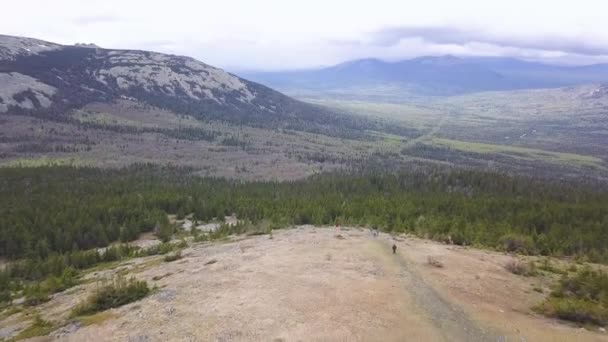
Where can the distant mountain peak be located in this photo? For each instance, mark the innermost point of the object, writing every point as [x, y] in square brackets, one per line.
[52, 80]
[88, 45]
[363, 62]
[437, 75]
[439, 60]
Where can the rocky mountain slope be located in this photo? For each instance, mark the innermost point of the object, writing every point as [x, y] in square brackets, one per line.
[49, 80]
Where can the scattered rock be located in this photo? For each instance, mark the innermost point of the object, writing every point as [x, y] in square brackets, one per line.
[211, 262]
[19, 301]
[433, 261]
[68, 329]
[166, 295]
[602, 329]
[7, 332]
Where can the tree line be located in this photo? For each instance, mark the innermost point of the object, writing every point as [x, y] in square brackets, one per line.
[50, 211]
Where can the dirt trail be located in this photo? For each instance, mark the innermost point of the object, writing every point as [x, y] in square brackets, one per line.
[305, 284]
[428, 135]
[450, 320]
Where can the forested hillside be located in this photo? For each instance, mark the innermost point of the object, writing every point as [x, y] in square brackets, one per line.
[62, 209]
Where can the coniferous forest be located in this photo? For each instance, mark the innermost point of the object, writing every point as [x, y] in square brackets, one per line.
[50, 211]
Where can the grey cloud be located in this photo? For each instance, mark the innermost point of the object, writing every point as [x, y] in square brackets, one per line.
[459, 36]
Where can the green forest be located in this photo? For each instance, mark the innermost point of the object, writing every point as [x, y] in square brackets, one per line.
[56, 210]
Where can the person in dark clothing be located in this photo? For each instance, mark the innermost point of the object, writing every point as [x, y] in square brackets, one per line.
[394, 248]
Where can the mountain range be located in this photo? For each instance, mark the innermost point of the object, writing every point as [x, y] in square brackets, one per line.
[86, 105]
[441, 75]
[43, 78]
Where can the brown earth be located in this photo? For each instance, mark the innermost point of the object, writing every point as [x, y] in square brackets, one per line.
[306, 284]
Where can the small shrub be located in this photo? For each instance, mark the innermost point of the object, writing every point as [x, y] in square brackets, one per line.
[172, 257]
[517, 244]
[581, 298]
[35, 295]
[165, 231]
[520, 268]
[39, 327]
[201, 238]
[458, 238]
[161, 248]
[546, 265]
[443, 238]
[538, 289]
[5, 296]
[182, 244]
[117, 293]
[56, 284]
[433, 261]
[575, 310]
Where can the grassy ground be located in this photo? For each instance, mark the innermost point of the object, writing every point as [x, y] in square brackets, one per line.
[521, 152]
[517, 130]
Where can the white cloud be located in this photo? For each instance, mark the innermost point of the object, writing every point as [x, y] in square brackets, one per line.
[279, 34]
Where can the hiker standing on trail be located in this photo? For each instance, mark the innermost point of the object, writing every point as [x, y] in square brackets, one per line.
[394, 248]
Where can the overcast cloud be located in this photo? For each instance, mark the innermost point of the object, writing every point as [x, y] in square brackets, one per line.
[273, 34]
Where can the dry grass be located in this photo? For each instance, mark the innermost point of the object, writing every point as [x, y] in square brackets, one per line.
[521, 268]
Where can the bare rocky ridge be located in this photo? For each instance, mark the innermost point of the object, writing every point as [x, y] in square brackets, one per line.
[13, 47]
[50, 80]
[171, 75]
[113, 70]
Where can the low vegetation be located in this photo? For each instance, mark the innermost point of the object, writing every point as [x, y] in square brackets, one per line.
[173, 257]
[117, 293]
[521, 268]
[39, 327]
[37, 279]
[581, 298]
[54, 219]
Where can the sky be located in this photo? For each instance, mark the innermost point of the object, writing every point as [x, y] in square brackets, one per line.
[281, 35]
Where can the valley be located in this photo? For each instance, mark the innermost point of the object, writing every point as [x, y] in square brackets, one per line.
[150, 196]
[563, 127]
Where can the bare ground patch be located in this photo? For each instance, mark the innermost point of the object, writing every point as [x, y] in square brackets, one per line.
[304, 284]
